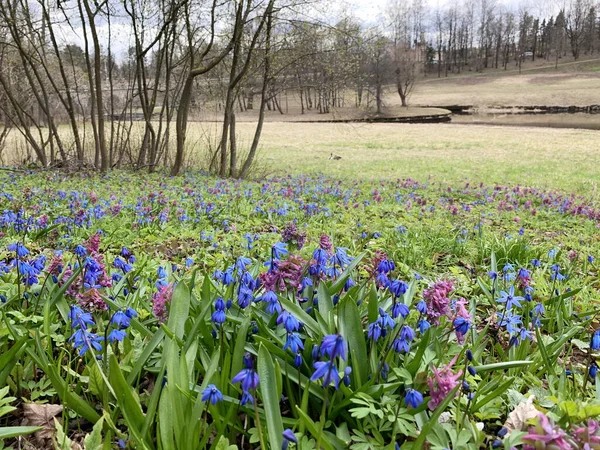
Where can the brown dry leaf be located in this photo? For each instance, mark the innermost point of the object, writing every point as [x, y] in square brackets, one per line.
[518, 418]
[38, 415]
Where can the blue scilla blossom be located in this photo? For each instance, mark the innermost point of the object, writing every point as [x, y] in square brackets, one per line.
[349, 284]
[80, 251]
[212, 394]
[375, 331]
[385, 320]
[288, 320]
[595, 342]
[422, 307]
[218, 275]
[552, 253]
[398, 287]
[116, 277]
[218, 316]
[413, 398]
[248, 379]
[328, 372]
[334, 345]
[386, 266]
[84, 340]
[407, 333]
[122, 265]
[508, 268]
[273, 305]
[79, 318]
[293, 342]
[242, 262]
[539, 309]
[246, 398]
[556, 275]
[423, 325]
[593, 370]
[116, 335]
[510, 321]
[189, 262]
[400, 309]
[590, 259]
[383, 280]
[401, 346]
[227, 278]
[508, 276]
[289, 436]
[39, 263]
[161, 272]
[509, 298]
[346, 377]
[19, 249]
[340, 257]
[120, 320]
[493, 275]
[279, 249]
[131, 313]
[320, 256]
[245, 297]
[528, 293]
[535, 263]
[29, 273]
[461, 325]
[248, 281]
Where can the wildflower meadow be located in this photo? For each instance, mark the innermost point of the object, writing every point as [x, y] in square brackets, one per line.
[144, 312]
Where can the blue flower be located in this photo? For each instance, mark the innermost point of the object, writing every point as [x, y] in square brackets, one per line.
[279, 250]
[79, 318]
[245, 297]
[535, 263]
[398, 287]
[510, 321]
[461, 325]
[116, 335]
[422, 307]
[120, 319]
[509, 298]
[423, 325]
[595, 343]
[273, 305]
[19, 249]
[246, 398]
[247, 378]
[83, 340]
[131, 313]
[386, 266]
[385, 320]
[374, 331]
[293, 342]
[212, 394]
[334, 345]
[400, 309]
[328, 372]
[340, 257]
[401, 346]
[288, 436]
[289, 321]
[413, 398]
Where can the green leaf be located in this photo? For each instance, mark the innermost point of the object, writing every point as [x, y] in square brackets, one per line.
[549, 367]
[502, 365]
[325, 301]
[62, 440]
[268, 390]
[10, 358]
[132, 410]
[93, 441]
[351, 328]
[11, 432]
[313, 429]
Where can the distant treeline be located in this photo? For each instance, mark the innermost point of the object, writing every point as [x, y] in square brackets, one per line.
[79, 104]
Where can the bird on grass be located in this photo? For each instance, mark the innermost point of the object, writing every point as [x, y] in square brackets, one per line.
[335, 157]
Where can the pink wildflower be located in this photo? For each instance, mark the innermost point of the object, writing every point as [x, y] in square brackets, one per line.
[325, 244]
[545, 435]
[438, 302]
[441, 383]
[90, 300]
[159, 302]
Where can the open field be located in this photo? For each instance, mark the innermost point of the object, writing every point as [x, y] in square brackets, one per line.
[562, 158]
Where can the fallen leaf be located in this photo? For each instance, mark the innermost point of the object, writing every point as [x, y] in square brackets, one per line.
[519, 416]
[38, 415]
